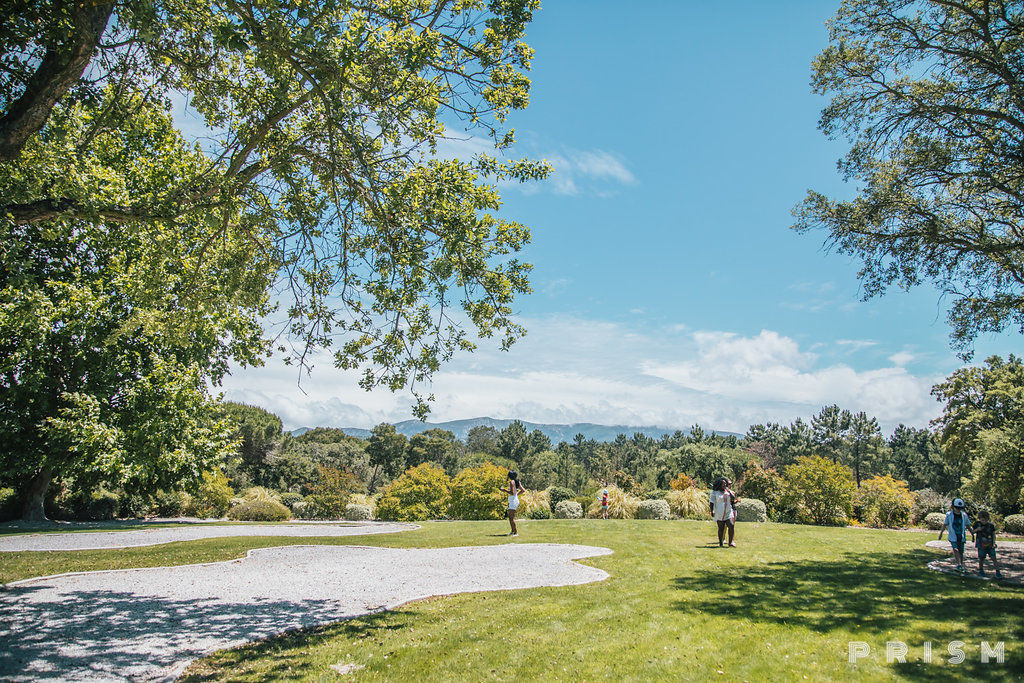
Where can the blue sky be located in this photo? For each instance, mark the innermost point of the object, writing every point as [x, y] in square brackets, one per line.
[669, 289]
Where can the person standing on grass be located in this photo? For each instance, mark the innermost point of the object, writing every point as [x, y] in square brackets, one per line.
[985, 539]
[513, 491]
[604, 503]
[958, 525]
[722, 500]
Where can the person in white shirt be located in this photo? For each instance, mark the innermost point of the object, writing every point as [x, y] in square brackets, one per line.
[722, 500]
[958, 524]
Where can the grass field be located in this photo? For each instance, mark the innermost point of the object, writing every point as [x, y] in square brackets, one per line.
[783, 605]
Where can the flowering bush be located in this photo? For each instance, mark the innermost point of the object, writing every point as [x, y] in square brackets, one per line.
[354, 512]
[568, 509]
[260, 511]
[621, 505]
[653, 509]
[423, 492]
[884, 502]
[475, 493]
[691, 503]
[682, 482]
[934, 520]
[751, 510]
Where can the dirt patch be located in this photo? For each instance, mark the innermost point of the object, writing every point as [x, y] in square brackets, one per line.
[1010, 555]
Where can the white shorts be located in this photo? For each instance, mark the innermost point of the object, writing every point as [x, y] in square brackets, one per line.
[513, 502]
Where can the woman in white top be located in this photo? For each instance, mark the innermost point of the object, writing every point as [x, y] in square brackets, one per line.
[513, 491]
[722, 500]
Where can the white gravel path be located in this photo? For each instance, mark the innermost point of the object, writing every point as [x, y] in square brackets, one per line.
[100, 540]
[148, 624]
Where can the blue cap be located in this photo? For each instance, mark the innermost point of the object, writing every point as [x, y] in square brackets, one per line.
[958, 503]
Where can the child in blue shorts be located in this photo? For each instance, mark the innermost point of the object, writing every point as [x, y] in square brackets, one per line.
[958, 525]
[985, 539]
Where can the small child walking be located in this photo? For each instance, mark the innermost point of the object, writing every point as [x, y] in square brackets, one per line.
[985, 539]
[958, 524]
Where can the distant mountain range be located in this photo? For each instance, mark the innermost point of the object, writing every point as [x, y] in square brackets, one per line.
[557, 433]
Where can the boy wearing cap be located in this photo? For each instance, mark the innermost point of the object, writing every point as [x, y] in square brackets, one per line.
[958, 525]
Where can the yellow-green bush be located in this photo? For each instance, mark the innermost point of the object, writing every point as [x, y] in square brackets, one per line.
[689, 503]
[423, 492]
[621, 505]
[884, 502]
[476, 493]
[818, 491]
[213, 497]
[363, 499]
[257, 510]
[531, 501]
[260, 493]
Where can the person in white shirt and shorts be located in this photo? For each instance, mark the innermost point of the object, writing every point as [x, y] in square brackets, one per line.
[722, 500]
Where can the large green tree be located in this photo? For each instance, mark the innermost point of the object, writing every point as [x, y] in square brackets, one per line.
[981, 429]
[315, 180]
[931, 95]
[109, 331]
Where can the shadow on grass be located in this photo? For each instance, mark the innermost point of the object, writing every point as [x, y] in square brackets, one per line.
[879, 595]
[279, 649]
[90, 634]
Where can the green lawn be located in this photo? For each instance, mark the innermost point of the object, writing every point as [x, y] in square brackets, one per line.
[783, 605]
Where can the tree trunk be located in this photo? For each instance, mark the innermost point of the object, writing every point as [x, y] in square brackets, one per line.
[35, 496]
[60, 68]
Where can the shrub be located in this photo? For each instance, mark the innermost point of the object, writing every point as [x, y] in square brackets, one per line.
[691, 503]
[476, 494]
[819, 491]
[8, 504]
[260, 493]
[584, 501]
[682, 482]
[170, 503]
[302, 509]
[213, 497]
[539, 513]
[1014, 524]
[884, 502]
[532, 500]
[354, 512]
[290, 498]
[653, 509]
[363, 499]
[656, 494]
[135, 505]
[751, 510]
[764, 484]
[627, 483]
[556, 494]
[928, 500]
[568, 509]
[934, 520]
[103, 504]
[330, 493]
[423, 492]
[621, 505]
[260, 511]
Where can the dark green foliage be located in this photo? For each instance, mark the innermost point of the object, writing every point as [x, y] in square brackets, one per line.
[103, 504]
[927, 501]
[764, 484]
[1014, 524]
[329, 494]
[260, 511]
[8, 504]
[213, 497]
[539, 513]
[170, 503]
[656, 494]
[290, 498]
[135, 505]
[433, 445]
[557, 494]
[916, 458]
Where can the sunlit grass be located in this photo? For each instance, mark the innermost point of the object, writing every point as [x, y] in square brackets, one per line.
[783, 605]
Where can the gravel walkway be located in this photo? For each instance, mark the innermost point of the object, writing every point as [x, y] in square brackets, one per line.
[1010, 555]
[100, 540]
[148, 624]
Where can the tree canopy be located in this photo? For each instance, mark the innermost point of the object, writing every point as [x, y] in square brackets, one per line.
[931, 96]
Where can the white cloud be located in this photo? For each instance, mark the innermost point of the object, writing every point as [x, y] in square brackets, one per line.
[576, 171]
[856, 344]
[901, 358]
[575, 370]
